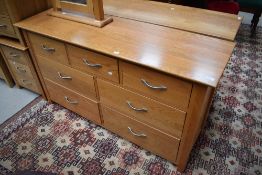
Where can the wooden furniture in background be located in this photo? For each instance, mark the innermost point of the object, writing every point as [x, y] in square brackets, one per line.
[148, 83]
[89, 12]
[19, 64]
[12, 45]
[12, 11]
[4, 73]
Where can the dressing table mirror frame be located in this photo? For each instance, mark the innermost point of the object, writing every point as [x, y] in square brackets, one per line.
[93, 12]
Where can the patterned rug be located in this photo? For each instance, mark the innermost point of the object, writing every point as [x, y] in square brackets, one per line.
[49, 138]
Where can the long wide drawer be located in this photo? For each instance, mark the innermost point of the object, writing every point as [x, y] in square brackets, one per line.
[21, 71]
[94, 63]
[141, 134]
[73, 101]
[161, 87]
[6, 27]
[48, 48]
[15, 55]
[28, 83]
[158, 115]
[68, 77]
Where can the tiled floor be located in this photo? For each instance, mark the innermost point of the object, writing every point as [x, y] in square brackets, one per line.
[12, 100]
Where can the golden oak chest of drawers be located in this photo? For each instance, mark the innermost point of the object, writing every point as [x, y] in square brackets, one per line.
[128, 80]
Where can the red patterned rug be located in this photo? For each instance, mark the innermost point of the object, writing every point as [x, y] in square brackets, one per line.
[49, 138]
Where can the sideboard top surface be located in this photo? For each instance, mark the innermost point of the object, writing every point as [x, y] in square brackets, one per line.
[207, 22]
[183, 54]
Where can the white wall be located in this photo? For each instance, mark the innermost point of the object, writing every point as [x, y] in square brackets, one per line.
[248, 17]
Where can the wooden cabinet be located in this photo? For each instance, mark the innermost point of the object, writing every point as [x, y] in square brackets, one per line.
[126, 78]
[20, 65]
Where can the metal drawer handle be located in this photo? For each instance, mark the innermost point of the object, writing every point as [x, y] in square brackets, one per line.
[14, 55]
[70, 101]
[21, 69]
[136, 109]
[153, 87]
[92, 65]
[3, 26]
[64, 77]
[48, 49]
[29, 83]
[136, 134]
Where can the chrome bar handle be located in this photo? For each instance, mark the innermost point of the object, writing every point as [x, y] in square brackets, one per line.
[29, 83]
[136, 134]
[48, 49]
[70, 101]
[21, 69]
[146, 83]
[92, 65]
[3, 26]
[64, 77]
[136, 109]
[14, 55]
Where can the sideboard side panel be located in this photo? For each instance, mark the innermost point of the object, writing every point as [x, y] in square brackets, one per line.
[198, 106]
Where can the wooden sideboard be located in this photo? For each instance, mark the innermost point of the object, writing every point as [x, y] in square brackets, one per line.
[150, 84]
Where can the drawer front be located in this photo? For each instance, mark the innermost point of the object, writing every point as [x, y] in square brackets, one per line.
[148, 111]
[73, 101]
[48, 48]
[141, 134]
[3, 8]
[6, 27]
[15, 55]
[94, 63]
[28, 83]
[68, 77]
[21, 71]
[169, 90]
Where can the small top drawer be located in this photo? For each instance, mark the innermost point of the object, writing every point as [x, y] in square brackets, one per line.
[6, 27]
[3, 9]
[48, 48]
[15, 55]
[94, 63]
[161, 87]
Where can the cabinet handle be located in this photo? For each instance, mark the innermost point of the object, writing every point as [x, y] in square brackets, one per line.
[136, 134]
[21, 69]
[48, 49]
[64, 77]
[153, 87]
[70, 101]
[92, 65]
[136, 109]
[3, 26]
[14, 55]
[29, 83]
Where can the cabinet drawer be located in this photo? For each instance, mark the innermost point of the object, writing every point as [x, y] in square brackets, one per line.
[6, 27]
[48, 48]
[141, 134]
[15, 55]
[161, 87]
[73, 101]
[3, 8]
[160, 116]
[20, 70]
[28, 83]
[94, 63]
[68, 77]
